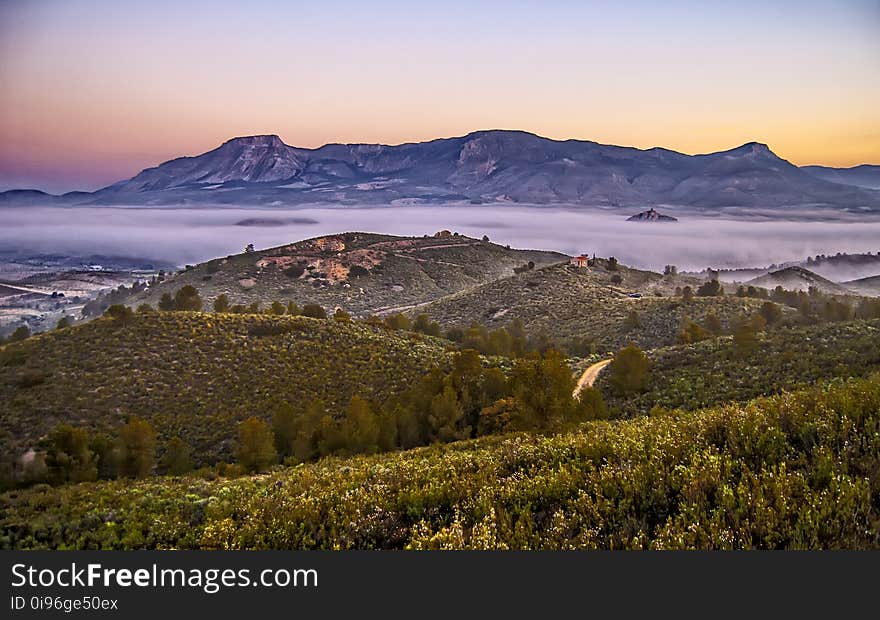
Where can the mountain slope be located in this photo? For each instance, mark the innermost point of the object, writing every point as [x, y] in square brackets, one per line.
[484, 166]
[866, 175]
[360, 272]
[196, 375]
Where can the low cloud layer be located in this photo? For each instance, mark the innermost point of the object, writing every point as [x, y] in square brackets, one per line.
[193, 235]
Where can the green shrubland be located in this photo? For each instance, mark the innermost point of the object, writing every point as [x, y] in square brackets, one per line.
[798, 470]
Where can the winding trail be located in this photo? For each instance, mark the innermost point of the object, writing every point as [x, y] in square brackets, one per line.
[589, 377]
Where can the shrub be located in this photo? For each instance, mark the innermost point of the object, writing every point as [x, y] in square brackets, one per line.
[314, 311]
[294, 271]
[221, 303]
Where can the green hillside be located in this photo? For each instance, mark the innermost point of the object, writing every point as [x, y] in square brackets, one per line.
[571, 303]
[195, 375]
[794, 471]
[360, 272]
[715, 371]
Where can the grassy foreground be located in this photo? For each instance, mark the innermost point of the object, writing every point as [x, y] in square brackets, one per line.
[799, 470]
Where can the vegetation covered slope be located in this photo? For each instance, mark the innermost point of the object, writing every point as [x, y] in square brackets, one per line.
[798, 470]
[359, 272]
[566, 303]
[718, 370]
[196, 375]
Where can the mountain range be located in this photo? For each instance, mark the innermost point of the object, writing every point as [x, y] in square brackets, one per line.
[496, 166]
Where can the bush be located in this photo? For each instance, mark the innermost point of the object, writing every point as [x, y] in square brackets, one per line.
[712, 288]
[314, 311]
[294, 271]
[356, 271]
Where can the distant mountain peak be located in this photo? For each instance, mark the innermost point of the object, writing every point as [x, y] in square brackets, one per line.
[267, 140]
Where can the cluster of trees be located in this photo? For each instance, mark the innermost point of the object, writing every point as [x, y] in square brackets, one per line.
[746, 328]
[71, 454]
[468, 400]
[465, 400]
[186, 299]
[21, 332]
[815, 306]
[99, 305]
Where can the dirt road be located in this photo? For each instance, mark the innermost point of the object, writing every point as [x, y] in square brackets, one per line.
[589, 377]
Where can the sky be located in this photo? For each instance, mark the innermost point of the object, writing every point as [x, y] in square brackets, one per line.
[93, 91]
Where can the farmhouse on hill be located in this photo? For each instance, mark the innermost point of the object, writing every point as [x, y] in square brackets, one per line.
[580, 261]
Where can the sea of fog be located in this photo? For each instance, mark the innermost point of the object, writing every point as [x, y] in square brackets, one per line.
[190, 235]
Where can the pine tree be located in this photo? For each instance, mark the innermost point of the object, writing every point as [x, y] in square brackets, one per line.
[543, 386]
[69, 457]
[305, 446]
[221, 304]
[256, 446]
[359, 428]
[121, 314]
[188, 299]
[166, 302]
[628, 373]
[136, 448]
[284, 429]
[445, 415]
[177, 459]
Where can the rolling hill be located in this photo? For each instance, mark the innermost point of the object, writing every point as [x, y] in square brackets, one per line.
[865, 286]
[359, 272]
[196, 375]
[710, 372]
[797, 279]
[495, 166]
[567, 302]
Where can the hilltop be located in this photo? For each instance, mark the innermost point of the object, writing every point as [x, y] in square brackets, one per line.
[492, 166]
[360, 272]
[196, 375]
[592, 304]
[651, 216]
[797, 279]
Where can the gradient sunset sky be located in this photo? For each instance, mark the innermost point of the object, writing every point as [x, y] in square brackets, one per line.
[93, 91]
